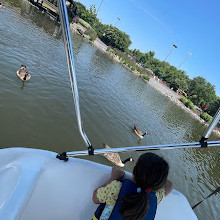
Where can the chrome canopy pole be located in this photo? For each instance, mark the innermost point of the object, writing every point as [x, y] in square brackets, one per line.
[70, 61]
[210, 129]
[213, 124]
[143, 148]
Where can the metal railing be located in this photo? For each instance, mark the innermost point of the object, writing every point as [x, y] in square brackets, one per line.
[144, 148]
[213, 124]
[71, 68]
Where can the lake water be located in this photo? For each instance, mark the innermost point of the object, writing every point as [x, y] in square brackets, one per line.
[40, 114]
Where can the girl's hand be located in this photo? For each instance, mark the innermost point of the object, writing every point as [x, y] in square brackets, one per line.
[117, 173]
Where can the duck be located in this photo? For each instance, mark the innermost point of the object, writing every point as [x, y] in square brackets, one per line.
[23, 74]
[115, 158]
[138, 132]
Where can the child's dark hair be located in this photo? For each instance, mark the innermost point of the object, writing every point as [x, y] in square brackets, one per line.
[150, 171]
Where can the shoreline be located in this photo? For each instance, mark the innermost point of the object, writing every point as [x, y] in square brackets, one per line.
[155, 82]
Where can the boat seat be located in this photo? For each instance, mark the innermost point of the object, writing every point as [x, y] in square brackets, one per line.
[17, 180]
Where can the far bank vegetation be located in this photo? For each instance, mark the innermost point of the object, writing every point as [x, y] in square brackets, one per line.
[198, 91]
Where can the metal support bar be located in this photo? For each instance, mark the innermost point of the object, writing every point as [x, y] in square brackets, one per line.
[70, 61]
[211, 127]
[144, 148]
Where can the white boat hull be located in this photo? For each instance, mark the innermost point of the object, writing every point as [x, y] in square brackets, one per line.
[35, 185]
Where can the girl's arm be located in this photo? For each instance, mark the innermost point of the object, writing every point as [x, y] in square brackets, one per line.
[164, 191]
[168, 187]
[116, 174]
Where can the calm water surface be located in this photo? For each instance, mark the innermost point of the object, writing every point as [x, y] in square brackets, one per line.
[40, 114]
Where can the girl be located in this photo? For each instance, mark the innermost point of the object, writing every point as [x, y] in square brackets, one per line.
[137, 199]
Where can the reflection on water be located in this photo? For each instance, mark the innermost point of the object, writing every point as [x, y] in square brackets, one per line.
[40, 112]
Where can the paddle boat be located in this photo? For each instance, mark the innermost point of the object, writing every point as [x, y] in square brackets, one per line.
[38, 184]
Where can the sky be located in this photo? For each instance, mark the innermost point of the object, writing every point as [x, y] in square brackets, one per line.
[192, 25]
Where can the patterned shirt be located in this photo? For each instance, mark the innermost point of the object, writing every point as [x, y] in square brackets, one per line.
[109, 195]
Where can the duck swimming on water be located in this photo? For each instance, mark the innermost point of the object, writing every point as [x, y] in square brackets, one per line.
[115, 158]
[23, 74]
[138, 132]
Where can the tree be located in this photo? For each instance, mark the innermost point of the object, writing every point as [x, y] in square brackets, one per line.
[150, 54]
[90, 16]
[214, 107]
[137, 54]
[142, 57]
[116, 38]
[80, 8]
[75, 9]
[201, 92]
[153, 64]
[182, 81]
[175, 78]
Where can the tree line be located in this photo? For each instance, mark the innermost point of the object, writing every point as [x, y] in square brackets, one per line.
[199, 90]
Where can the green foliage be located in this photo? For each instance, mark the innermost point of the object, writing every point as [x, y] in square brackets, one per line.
[206, 117]
[201, 92]
[92, 38]
[175, 78]
[109, 49]
[98, 33]
[187, 103]
[190, 105]
[101, 27]
[184, 100]
[75, 9]
[141, 70]
[80, 8]
[129, 62]
[146, 77]
[213, 108]
[116, 38]
[91, 33]
[142, 57]
[110, 35]
[84, 23]
[90, 16]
